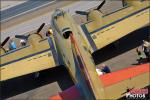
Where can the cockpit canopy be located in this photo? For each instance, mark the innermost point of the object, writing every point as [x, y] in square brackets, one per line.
[58, 13]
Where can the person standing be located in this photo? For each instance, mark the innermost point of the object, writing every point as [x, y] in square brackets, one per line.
[139, 55]
[146, 49]
[99, 72]
[105, 69]
[12, 45]
[23, 42]
[49, 32]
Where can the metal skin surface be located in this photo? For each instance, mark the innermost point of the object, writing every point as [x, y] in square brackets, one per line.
[102, 30]
[74, 58]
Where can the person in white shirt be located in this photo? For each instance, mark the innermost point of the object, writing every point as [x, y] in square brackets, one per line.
[23, 42]
[99, 72]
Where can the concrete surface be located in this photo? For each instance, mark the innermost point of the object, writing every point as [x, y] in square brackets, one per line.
[23, 8]
[6, 4]
[27, 23]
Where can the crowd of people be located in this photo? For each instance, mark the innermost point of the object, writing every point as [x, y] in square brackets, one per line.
[23, 42]
[12, 44]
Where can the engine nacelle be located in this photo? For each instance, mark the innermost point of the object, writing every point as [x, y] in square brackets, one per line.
[61, 24]
[34, 39]
[96, 16]
[2, 51]
[66, 33]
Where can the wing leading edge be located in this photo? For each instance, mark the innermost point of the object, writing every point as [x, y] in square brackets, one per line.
[116, 25]
[116, 83]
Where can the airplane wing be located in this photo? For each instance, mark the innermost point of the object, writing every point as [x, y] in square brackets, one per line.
[116, 25]
[27, 59]
[116, 83]
[71, 93]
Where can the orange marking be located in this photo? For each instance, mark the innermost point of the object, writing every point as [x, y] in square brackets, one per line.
[69, 94]
[56, 97]
[115, 77]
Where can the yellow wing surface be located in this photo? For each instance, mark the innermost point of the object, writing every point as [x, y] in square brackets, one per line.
[117, 83]
[28, 59]
[116, 24]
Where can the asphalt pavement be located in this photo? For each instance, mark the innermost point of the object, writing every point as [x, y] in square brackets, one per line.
[25, 23]
[24, 7]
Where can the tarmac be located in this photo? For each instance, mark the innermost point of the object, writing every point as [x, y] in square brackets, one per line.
[6, 4]
[23, 22]
[23, 7]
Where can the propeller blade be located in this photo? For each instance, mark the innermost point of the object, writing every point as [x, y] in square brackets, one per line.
[82, 12]
[124, 3]
[40, 28]
[5, 41]
[22, 36]
[99, 7]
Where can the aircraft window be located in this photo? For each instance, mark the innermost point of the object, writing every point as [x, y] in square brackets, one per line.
[59, 13]
[94, 37]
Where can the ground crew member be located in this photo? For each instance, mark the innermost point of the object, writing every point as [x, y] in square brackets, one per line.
[105, 69]
[12, 45]
[139, 55]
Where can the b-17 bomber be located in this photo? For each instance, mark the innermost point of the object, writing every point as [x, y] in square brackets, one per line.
[72, 45]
